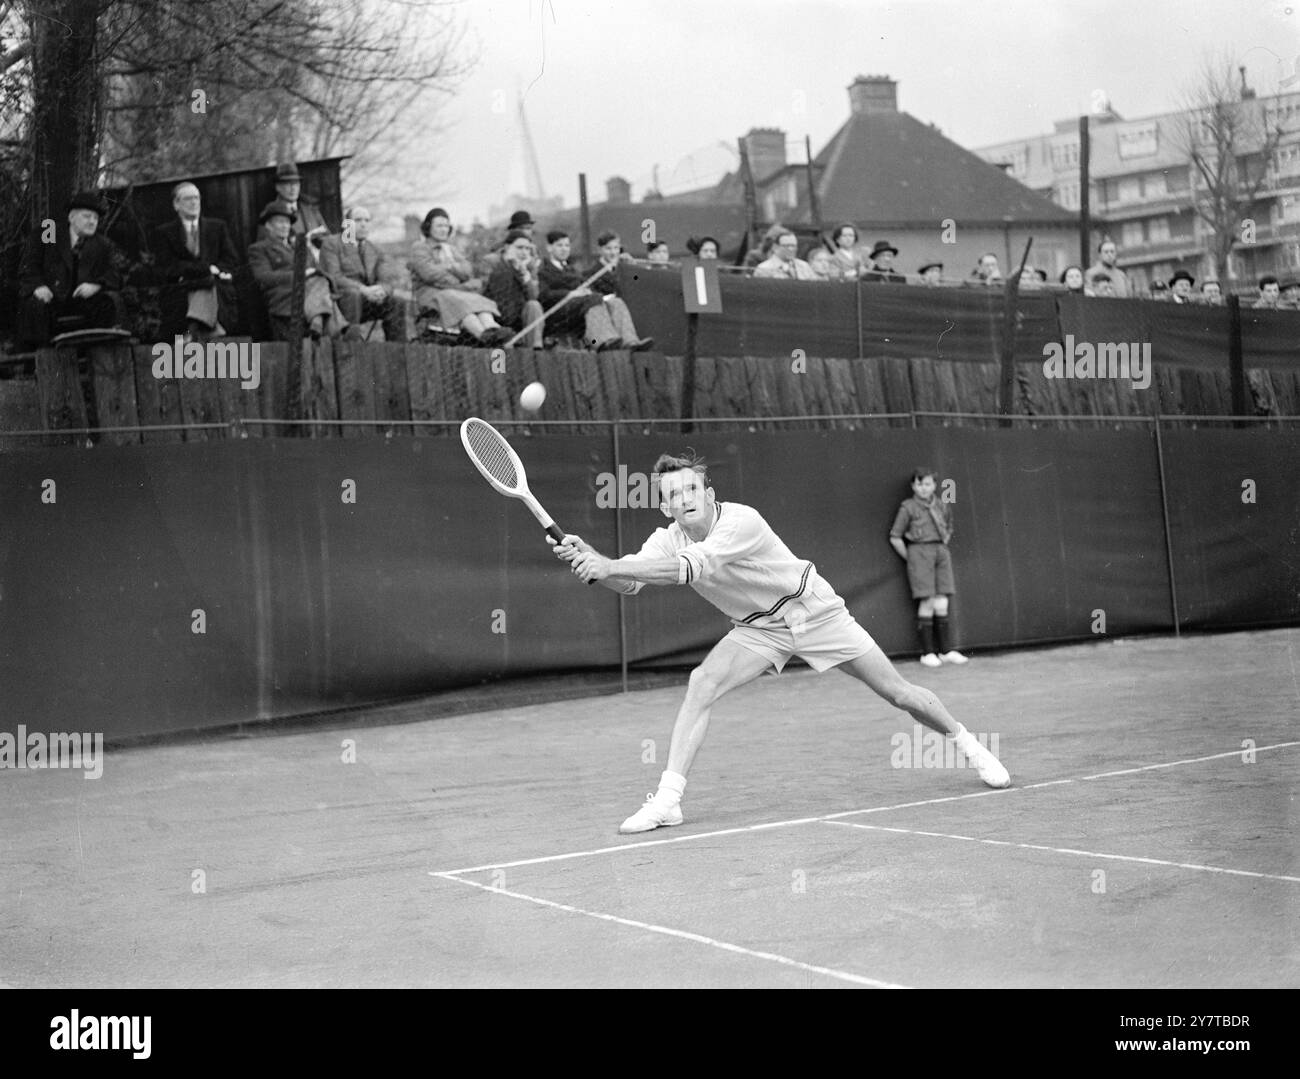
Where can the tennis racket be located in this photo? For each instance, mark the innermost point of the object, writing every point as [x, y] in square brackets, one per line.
[501, 467]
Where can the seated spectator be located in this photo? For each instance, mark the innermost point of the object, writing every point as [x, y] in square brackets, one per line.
[520, 221]
[657, 252]
[1211, 293]
[848, 261]
[931, 273]
[70, 284]
[784, 261]
[1028, 280]
[822, 264]
[1101, 285]
[1270, 291]
[753, 259]
[1160, 292]
[308, 218]
[195, 260]
[583, 314]
[610, 253]
[443, 282]
[986, 271]
[704, 248]
[1107, 263]
[360, 272]
[513, 287]
[1290, 295]
[1072, 279]
[882, 265]
[271, 262]
[1180, 287]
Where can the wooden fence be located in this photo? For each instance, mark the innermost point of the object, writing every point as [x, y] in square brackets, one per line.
[384, 387]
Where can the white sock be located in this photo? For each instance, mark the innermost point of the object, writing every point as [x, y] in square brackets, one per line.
[672, 786]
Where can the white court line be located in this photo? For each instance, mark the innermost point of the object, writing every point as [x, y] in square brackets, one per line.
[842, 975]
[835, 816]
[1192, 760]
[1068, 850]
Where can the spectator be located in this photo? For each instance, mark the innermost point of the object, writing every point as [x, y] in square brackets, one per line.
[986, 271]
[882, 265]
[1180, 286]
[822, 264]
[520, 221]
[443, 282]
[1211, 293]
[611, 253]
[931, 274]
[1269, 293]
[848, 262]
[1160, 292]
[288, 189]
[584, 313]
[271, 262]
[69, 284]
[1072, 279]
[196, 260]
[784, 261]
[705, 248]
[657, 252]
[753, 259]
[1290, 295]
[513, 288]
[1107, 256]
[1101, 286]
[360, 272]
[1028, 280]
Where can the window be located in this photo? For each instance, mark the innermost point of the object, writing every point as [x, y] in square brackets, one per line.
[1065, 153]
[1287, 208]
[1067, 195]
[1131, 235]
[1291, 256]
[1158, 230]
[1153, 186]
[1138, 140]
[1287, 160]
[1130, 189]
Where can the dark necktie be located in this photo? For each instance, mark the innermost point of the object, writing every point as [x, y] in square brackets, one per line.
[192, 238]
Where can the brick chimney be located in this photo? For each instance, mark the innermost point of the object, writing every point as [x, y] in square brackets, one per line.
[618, 191]
[766, 149]
[873, 93]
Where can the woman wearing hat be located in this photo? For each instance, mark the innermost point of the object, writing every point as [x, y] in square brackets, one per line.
[882, 265]
[443, 281]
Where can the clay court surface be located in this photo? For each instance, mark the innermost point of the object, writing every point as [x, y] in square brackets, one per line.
[1141, 846]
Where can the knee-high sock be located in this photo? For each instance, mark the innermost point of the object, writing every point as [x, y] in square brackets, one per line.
[925, 631]
[942, 634]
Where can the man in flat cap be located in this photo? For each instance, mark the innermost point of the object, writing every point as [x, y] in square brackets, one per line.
[196, 260]
[67, 280]
[1290, 300]
[271, 263]
[882, 265]
[931, 274]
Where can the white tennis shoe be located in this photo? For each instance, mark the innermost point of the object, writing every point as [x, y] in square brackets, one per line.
[652, 815]
[931, 660]
[989, 767]
[953, 657]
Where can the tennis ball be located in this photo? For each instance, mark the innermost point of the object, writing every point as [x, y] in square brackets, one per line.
[533, 396]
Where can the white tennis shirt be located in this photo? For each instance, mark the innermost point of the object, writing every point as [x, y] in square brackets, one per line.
[743, 568]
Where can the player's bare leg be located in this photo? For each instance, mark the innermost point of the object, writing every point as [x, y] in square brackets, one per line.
[728, 666]
[874, 669]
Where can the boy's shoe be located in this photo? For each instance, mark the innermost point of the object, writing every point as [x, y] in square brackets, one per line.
[931, 660]
[650, 816]
[989, 767]
[954, 657]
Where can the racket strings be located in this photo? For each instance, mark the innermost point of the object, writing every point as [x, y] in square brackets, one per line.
[490, 450]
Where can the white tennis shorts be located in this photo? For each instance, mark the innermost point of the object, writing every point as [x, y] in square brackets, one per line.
[822, 643]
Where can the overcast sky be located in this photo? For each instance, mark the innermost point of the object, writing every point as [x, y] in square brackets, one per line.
[620, 86]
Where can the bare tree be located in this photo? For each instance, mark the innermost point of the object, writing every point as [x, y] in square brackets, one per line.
[1228, 140]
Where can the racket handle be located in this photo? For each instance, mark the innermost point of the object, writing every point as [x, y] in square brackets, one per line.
[557, 533]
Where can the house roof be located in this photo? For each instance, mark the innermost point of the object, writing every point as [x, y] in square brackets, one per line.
[884, 166]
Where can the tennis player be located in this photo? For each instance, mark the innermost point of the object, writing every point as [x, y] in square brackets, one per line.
[779, 607]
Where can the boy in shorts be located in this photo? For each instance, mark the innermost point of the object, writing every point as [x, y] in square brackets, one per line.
[779, 607]
[921, 532]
